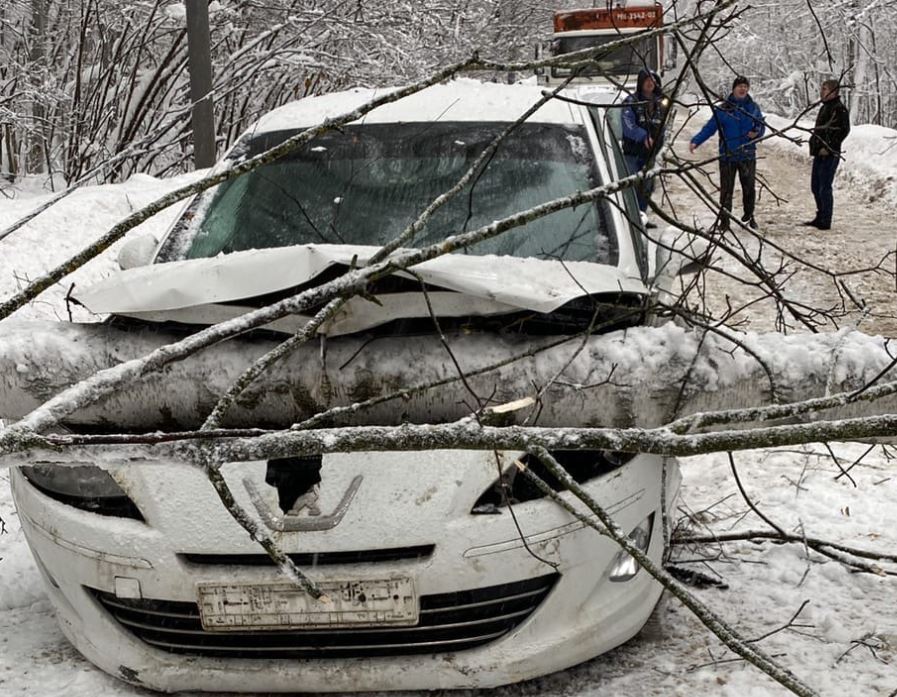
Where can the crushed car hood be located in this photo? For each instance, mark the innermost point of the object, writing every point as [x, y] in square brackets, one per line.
[204, 291]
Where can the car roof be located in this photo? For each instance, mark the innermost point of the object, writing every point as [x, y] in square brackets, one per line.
[463, 99]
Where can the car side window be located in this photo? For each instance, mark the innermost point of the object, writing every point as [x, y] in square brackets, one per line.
[612, 117]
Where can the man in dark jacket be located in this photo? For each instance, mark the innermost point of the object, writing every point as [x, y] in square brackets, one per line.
[739, 123]
[832, 127]
[643, 117]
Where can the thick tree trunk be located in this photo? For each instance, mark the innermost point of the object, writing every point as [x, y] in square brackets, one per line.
[200, 63]
[859, 99]
[37, 155]
[619, 379]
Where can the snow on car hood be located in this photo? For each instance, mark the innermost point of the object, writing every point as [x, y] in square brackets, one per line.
[193, 291]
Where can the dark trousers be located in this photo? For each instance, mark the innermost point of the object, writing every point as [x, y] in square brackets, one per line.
[643, 192]
[821, 184]
[747, 172]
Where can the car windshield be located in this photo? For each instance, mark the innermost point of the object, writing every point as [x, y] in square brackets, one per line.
[626, 60]
[364, 184]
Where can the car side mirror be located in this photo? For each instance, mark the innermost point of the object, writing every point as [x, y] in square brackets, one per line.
[137, 251]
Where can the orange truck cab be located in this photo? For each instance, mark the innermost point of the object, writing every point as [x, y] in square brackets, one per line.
[575, 30]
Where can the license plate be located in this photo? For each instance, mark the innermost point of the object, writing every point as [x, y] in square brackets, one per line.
[367, 603]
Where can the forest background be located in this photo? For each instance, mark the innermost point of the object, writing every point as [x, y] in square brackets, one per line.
[100, 88]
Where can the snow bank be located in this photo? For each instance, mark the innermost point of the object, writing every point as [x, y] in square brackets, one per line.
[67, 227]
[870, 156]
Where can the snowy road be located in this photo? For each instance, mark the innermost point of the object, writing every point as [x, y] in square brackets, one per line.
[860, 247]
[846, 643]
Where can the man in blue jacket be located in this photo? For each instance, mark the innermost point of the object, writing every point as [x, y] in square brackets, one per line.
[739, 123]
[643, 117]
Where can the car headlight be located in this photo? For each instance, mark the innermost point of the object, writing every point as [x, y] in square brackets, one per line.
[515, 487]
[624, 566]
[86, 487]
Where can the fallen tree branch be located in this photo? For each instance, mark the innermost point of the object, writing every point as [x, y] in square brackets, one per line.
[466, 434]
[39, 360]
[283, 562]
[772, 536]
[708, 617]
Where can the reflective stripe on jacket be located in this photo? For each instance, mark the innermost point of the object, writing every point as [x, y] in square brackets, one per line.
[643, 116]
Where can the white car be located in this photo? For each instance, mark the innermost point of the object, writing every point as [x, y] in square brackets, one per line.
[444, 570]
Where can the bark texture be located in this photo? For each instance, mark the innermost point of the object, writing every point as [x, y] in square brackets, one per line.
[643, 377]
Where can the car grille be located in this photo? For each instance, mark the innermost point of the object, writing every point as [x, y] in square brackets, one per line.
[366, 556]
[448, 622]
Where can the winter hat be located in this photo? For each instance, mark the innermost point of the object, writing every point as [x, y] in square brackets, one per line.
[740, 80]
[643, 75]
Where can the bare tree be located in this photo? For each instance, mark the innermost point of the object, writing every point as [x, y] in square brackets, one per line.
[788, 48]
[200, 62]
[675, 417]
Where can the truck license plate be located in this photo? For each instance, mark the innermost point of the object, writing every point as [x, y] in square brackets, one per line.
[368, 603]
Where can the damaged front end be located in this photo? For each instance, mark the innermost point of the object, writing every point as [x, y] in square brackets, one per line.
[442, 569]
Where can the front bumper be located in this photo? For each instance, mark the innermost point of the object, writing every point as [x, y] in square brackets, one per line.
[562, 612]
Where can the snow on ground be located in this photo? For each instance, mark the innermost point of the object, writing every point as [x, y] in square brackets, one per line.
[844, 640]
[870, 156]
[870, 153]
[862, 237]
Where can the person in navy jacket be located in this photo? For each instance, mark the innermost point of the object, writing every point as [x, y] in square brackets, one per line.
[739, 123]
[643, 119]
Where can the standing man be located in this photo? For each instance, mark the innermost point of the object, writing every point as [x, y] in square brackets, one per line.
[739, 123]
[643, 117]
[832, 127]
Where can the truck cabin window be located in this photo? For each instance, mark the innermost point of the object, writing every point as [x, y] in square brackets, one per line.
[621, 62]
